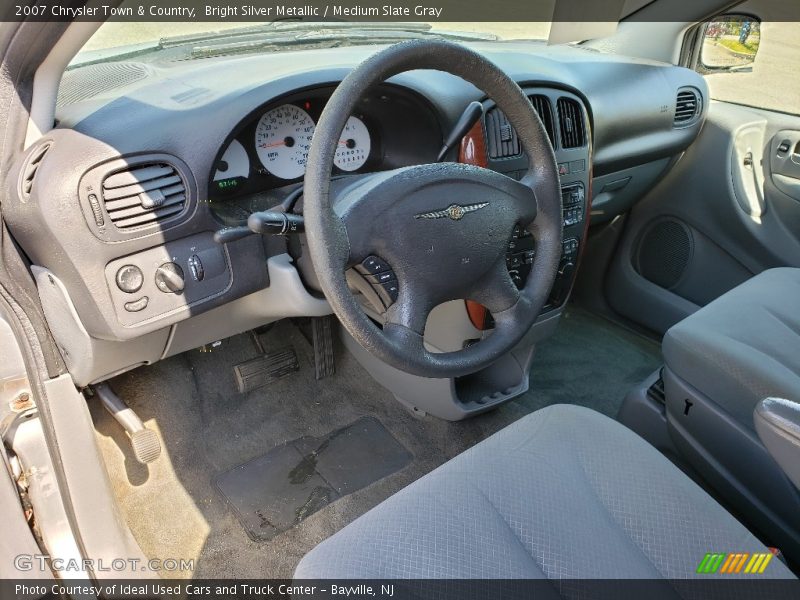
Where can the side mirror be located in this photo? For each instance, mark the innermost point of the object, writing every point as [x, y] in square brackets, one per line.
[729, 43]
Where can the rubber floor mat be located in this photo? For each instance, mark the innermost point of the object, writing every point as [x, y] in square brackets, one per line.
[276, 491]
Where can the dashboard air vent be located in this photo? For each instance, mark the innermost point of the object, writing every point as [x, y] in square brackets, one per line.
[31, 167]
[687, 107]
[501, 137]
[143, 195]
[570, 118]
[541, 105]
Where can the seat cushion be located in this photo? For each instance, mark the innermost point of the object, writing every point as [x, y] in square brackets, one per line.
[564, 493]
[744, 346]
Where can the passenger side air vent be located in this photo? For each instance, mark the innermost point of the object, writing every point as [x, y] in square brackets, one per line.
[501, 137]
[143, 195]
[541, 104]
[30, 169]
[571, 126]
[688, 107]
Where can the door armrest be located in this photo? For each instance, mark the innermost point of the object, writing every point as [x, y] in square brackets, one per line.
[777, 422]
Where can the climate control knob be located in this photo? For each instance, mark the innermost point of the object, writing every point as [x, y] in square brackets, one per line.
[169, 278]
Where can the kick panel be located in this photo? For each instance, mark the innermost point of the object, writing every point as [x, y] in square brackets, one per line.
[159, 281]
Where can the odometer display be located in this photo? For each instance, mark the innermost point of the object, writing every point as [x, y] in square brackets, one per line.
[283, 138]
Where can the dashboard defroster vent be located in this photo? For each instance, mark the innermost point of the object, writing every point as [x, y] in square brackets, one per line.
[501, 137]
[687, 107]
[571, 126]
[143, 195]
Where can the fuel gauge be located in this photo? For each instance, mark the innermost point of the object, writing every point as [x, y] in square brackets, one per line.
[233, 168]
[354, 146]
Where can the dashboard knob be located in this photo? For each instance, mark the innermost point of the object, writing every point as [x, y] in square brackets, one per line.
[169, 278]
[129, 279]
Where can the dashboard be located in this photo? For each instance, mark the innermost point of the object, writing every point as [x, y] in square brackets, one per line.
[118, 205]
[392, 127]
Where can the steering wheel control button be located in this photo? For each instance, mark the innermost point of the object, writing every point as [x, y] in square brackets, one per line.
[196, 268]
[372, 265]
[387, 292]
[169, 278]
[129, 279]
[384, 277]
[137, 305]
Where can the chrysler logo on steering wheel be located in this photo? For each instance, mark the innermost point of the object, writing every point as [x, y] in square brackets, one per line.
[455, 211]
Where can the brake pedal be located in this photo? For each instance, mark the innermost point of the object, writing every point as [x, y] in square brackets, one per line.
[322, 330]
[265, 369]
[145, 442]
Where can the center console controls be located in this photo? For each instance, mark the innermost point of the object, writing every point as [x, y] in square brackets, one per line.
[153, 283]
[522, 249]
[572, 202]
[567, 125]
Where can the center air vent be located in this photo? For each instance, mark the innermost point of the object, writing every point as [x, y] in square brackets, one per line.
[688, 107]
[143, 195]
[502, 138]
[542, 107]
[571, 126]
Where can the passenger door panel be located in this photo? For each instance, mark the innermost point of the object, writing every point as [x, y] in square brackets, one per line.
[728, 209]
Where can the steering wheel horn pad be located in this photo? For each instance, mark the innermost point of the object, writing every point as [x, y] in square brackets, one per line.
[443, 228]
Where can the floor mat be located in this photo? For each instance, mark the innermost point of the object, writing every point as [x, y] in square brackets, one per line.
[207, 427]
[276, 491]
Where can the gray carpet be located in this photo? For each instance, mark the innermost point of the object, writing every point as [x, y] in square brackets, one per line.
[207, 428]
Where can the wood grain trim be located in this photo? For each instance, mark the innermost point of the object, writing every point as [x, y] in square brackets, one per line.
[473, 147]
[473, 152]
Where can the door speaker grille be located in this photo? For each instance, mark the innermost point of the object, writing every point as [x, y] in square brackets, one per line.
[664, 252]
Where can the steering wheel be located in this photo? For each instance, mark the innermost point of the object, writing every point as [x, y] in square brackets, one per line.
[443, 228]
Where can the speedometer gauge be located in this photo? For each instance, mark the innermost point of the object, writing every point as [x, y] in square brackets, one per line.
[283, 137]
[354, 146]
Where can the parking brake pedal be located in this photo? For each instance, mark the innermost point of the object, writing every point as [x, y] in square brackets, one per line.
[145, 443]
[322, 331]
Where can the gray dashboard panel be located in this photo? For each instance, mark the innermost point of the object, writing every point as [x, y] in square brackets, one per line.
[187, 110]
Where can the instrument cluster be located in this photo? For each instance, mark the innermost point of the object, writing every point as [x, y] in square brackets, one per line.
[391, 127]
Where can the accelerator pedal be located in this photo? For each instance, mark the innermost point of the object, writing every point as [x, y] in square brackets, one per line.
[262, 370]
[322, 330]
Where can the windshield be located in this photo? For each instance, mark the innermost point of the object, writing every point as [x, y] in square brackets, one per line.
[117, 40]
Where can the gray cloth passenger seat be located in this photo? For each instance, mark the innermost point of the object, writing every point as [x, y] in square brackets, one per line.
[563, 493]
[719, 364]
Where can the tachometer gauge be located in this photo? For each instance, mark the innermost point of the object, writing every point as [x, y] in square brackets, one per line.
[354, 146]
[283, 137]
[233, 168]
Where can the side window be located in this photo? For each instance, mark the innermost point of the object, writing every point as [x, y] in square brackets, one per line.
[750, 61]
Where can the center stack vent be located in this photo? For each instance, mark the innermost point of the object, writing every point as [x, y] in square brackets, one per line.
[501, 137]
[143, 195]
[571, 125]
